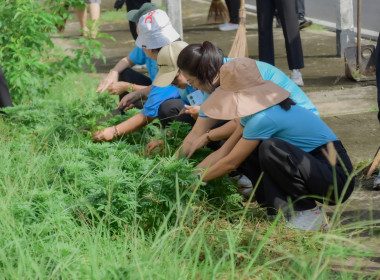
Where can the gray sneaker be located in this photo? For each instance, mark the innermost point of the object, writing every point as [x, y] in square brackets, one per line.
[309, 220]
[376, 183]
[244, 182]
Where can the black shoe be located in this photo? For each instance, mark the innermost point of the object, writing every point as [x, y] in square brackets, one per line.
[303, 23]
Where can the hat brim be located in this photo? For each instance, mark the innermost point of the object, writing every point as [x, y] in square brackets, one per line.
[133, 15]
[164, 79]
[228, 105]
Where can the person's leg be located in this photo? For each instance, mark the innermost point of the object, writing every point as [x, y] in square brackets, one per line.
[81, 13]
[169, 110]
[5, 97]
[300, 8]
[300, 175]
[94, 8]
[134, 77]
[265, 13]
[233, 11]
[289, 21]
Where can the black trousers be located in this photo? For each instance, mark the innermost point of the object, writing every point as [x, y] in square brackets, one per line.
[5, 97]
[293, 176]
[134, 5]
[131, 76]
[289, 22]
[169, 110]
[233, 10]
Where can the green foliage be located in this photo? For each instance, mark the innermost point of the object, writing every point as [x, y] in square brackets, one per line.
[28, 56]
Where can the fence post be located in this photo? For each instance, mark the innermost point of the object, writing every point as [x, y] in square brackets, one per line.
[345, 35]
[174, 10]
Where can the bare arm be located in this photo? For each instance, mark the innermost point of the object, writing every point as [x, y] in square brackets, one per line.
[133, 124]
[228, 157]
[113, 75]
[216, 134]
[200, 127]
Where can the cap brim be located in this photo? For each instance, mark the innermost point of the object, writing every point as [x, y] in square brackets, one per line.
[164, 79]
[227, 105]
[133, 15]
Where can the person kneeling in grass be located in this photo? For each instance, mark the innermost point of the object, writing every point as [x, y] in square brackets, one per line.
[283, 141]
[155, 32]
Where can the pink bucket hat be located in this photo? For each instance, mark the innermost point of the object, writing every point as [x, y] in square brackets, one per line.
[242, 92]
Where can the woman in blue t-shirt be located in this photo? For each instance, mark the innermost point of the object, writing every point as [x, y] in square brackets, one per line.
[200, 64]
[293, 149]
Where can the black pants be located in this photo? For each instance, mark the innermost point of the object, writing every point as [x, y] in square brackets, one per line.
[291, 174]
[169, 110]
[233, 10]
[289, 22]
[134, 5]
[5, 97]
[131, 76]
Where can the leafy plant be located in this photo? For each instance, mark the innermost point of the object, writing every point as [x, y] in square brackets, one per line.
[28, 56]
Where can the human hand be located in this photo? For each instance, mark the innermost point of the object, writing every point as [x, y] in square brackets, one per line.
[106, 134]
[193, 111]
[127, 102]
[196, 144]
[112, 77]
[153, 145]
[118, 88]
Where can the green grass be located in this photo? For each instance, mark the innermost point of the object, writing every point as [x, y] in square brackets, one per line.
[72, 209]
[114, 16]
[315, 26]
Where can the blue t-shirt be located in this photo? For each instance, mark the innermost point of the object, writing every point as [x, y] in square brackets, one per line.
[183, 94]
[157, 95]
[275, 75]
[137, 56]
[297, 126]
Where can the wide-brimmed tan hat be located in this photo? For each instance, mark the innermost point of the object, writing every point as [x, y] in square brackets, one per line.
[167, 63]
[242, 92]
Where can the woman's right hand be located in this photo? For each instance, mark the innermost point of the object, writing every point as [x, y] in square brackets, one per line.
[112, 77]
[154, 144]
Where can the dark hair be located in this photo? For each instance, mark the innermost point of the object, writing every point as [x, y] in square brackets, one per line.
[287, 103]
[202, 61]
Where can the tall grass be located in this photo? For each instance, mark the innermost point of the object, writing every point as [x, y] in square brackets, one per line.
[66, 207]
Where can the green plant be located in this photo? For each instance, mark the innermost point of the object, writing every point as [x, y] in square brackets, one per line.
[28, 56]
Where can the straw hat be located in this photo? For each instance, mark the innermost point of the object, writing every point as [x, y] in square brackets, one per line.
[155, 30]
[167, 63]
[242, 92]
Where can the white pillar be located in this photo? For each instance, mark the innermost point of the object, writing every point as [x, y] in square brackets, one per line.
[174, 10]
[345, 35]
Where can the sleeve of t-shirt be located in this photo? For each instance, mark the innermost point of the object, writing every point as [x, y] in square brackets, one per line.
[201, 114]
[137, 56]
[259, 127]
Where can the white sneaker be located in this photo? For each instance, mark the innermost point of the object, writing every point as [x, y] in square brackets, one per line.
[223, 24]
[229, 27]
[376, 183]
[309, 220]
[244, 182]
[296, 77]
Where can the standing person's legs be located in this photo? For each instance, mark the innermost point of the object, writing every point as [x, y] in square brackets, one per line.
[134, 5]
[300, 8]
[94, 7]
[233, 11]
[265, 13]
[81, 13]
[5, 97]
[289, 21]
